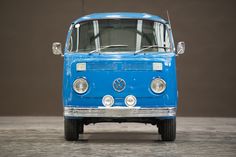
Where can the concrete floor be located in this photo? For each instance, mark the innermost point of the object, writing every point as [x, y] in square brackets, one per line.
[43, 136]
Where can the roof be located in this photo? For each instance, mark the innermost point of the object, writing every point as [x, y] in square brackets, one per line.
[120, 15]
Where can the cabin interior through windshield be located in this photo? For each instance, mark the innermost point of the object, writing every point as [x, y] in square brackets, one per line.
[134, 34]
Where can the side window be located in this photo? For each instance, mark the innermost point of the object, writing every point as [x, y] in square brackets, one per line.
[72, 45]
[162, 36]
[167, 39]
[159, 27]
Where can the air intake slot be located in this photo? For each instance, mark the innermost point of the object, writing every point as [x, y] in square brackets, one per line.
[120, 66]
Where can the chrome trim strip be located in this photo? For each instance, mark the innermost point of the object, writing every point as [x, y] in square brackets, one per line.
[119, 112]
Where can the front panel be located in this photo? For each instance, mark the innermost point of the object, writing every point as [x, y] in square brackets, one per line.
[137, 72]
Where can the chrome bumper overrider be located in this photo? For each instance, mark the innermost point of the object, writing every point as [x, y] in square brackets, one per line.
[119, 112]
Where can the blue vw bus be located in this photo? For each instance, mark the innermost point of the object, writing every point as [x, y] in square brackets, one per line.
[119, 67]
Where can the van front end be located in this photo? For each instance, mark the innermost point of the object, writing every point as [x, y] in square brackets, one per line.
[120, 88]
[102, 86]
[120, 67]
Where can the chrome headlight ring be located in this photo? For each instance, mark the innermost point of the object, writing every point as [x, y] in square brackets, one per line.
[158, 85]
[80, 85]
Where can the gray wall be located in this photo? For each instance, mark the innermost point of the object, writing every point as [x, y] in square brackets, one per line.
[31, 77]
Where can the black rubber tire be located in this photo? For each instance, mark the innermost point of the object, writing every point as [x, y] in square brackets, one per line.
[159, 130]
[81, 127]
[71, 129]
[168, 129]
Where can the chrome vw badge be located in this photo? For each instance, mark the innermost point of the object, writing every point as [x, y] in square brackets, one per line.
[119, 84]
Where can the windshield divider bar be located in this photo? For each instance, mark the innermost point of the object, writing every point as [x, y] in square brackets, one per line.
[139, 37]
[96, 32]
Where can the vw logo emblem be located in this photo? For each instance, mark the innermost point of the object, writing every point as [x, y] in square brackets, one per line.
[119, 84]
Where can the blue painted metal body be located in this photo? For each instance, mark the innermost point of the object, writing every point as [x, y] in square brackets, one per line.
[136, 70]
[120, 15]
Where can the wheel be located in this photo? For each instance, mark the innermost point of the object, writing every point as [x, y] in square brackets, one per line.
[71, 129]
[159, 130]
[81, 127]
[168, 129]
[159, 127]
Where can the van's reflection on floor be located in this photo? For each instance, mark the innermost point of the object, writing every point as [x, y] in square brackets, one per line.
[120, 137]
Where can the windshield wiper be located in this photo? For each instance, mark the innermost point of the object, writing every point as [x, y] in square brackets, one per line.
[107, 46]
[148, 47]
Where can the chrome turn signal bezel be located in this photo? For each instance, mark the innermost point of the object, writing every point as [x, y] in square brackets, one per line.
[132, 98]
[110, 98]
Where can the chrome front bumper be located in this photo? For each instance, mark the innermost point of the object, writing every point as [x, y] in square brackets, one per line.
[119, 112]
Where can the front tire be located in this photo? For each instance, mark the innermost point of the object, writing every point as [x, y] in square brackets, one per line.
[168, 129]
[159, 130]
[81, 127]
[71, 129]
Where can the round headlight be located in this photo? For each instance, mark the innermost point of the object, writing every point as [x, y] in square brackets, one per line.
[80, 85]
[130, 101]
[108, 100]
[158, 85]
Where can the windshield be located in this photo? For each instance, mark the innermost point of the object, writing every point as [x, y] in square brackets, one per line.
[109, 35]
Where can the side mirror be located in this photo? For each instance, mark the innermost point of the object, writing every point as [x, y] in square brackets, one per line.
[56, 48]
[180, 48]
